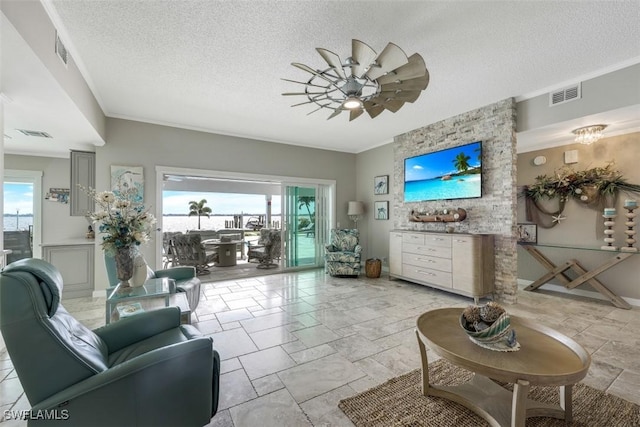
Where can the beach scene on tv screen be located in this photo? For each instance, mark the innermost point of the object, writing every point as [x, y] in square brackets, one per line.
[454, 173]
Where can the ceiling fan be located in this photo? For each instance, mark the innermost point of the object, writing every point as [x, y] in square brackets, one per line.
[365, 81]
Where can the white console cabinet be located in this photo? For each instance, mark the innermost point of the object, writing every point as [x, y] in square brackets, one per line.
[459, 263]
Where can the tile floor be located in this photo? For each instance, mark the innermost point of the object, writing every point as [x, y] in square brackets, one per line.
[295, 344]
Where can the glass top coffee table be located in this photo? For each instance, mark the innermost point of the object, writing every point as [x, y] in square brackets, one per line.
[152, 288]
[546, 358]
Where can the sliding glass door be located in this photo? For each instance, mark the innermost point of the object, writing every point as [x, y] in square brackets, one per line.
[305, 216]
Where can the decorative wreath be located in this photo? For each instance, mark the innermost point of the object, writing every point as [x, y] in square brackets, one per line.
[592, 188]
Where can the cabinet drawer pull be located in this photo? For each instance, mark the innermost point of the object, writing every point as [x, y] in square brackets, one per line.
[427, 273]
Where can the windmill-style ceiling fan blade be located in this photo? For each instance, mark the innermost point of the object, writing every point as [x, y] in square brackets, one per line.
[363, 55]
[392, 105]
[312, 71]
[405, 95]
[303, 83]
[317, 109]
[315, 100]
[354, 114]
[413, 84]
[333, 60]
[390, 58]
[335, 113]
[413, 69]
[303, 103]
[302, 93]
[373, 109]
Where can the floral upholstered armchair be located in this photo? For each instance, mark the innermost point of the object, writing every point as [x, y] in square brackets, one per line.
[342, 257]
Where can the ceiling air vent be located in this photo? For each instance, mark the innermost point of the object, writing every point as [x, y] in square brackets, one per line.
[567, 94]
[34, 133]
[61, 51]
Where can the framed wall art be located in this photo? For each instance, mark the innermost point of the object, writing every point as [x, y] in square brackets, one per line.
[60, 195]
[381, 209]
[381, 184]
[527, 233]
[126, 177]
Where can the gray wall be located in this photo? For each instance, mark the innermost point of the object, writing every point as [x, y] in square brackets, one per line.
[133, 143]
[584, 226]
[618, 89]
[374, 234]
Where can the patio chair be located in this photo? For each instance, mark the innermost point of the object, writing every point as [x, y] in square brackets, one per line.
[20, 244]
[267, 249]
[190, 251]
[310, 230]
[168, 257]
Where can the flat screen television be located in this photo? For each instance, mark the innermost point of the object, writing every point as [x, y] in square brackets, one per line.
[453, 173]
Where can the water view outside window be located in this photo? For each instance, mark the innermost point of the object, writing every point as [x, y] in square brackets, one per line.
[224, 207]
[18, 206]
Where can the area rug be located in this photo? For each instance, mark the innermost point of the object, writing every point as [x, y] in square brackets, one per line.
[399, 402]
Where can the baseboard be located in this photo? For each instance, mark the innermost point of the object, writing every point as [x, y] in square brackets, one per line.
[580, 292]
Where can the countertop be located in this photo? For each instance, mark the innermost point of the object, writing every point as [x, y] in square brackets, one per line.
[70, 242]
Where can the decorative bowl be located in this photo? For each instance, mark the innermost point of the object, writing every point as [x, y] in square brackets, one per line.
[498, 336]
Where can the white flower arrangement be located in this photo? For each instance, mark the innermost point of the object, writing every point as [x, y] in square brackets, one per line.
[124, 223]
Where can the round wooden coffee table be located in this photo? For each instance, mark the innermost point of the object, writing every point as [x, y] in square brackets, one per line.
[546, 358]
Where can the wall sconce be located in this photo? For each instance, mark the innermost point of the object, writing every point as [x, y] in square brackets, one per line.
[355, 211]
[589, 134]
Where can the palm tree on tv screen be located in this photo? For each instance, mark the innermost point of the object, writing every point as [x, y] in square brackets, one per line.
[199, 209]
[461, 162]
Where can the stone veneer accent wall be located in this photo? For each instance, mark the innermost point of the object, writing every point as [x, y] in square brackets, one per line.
[493, 213]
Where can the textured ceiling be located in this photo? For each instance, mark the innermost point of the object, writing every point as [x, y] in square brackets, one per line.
[217, 65]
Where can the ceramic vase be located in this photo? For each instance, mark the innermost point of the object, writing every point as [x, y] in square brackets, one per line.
[124, 266]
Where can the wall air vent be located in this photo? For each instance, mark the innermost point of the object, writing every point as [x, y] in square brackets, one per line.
[61, 51]
[34, 133]
[566, 94]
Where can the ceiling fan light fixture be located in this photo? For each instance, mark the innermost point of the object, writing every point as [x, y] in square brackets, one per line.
[352, 103]
[364, 81]
[589, 134]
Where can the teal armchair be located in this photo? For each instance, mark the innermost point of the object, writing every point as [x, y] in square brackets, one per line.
[145, 370]
[184, 279]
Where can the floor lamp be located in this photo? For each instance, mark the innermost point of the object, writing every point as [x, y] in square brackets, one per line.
[355, 211]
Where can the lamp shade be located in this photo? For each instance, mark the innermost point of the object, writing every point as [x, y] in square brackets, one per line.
[355, 208]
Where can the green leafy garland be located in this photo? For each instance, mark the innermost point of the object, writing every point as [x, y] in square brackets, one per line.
[590, 187]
